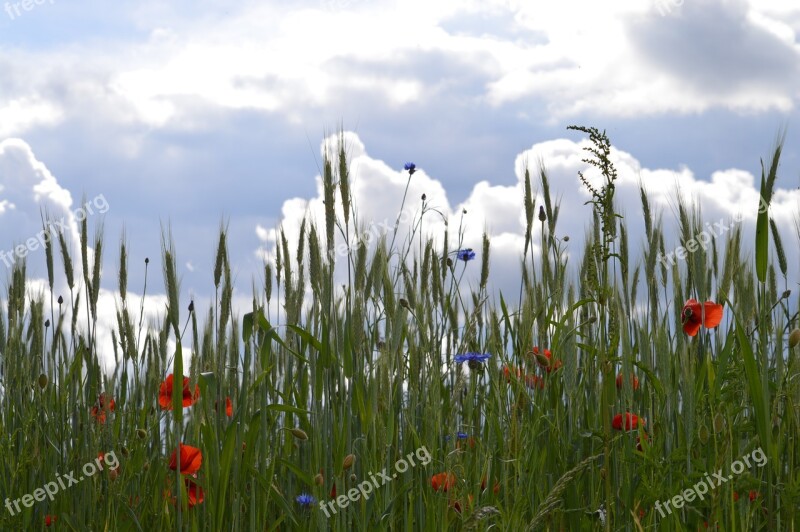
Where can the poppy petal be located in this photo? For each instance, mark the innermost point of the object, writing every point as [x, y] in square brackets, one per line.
[691, 327]
[713, 314]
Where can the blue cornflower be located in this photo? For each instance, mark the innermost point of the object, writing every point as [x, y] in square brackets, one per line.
[305, 500]
[472, 357]
[462, 435]
[411, 167]
[466, 254]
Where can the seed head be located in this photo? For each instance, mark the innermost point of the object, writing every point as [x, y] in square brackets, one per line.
[719, 423]
[794, 338]
[299, 433]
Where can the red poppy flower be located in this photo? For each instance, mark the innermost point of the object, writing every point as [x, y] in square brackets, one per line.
[228, 407]
[194, 492]
[534, 381]
[693, 313]
[50, 520]
[333, 491]
[507, 371]
[735, 496]
[545, 360]
[104, 404]
[191, 459]
[165, 393]
[753, 495]
[632, 379]
[631, 421]
[639, 441]
[443, 481]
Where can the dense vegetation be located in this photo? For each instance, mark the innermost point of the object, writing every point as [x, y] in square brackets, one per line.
[280, 415]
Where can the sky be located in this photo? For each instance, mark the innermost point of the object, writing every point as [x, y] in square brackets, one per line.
[179, 117]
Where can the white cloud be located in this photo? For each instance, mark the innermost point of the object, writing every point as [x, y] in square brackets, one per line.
[377, 191]
[619, 59]
[21, 114]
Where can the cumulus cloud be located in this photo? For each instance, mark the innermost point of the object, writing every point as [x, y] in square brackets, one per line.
[378, 188]
[28, 190]
[291, 59]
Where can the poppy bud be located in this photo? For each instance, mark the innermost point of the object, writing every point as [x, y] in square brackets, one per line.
[719, 423]
[191, 305]
[141, 433]
[464, 211]
[46, 323]
[124, 451]
[565, 239]
[319, 479]
[404, 303]
[794, 338]
[299, 434]
[786, 294]
[703, 434]
[348, 462]
[42, 381]
[542, 215]
[60, 300]
[353, 477]
[113, 474]
[424, 197]
[146, 466]
[541, 359]
[449, 262]
[146, 260]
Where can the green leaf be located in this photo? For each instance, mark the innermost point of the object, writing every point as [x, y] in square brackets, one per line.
[760, 411]
[224, 473]
[762, 239]
[247, 326]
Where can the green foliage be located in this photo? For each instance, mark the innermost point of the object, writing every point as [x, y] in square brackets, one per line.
[368, 370]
